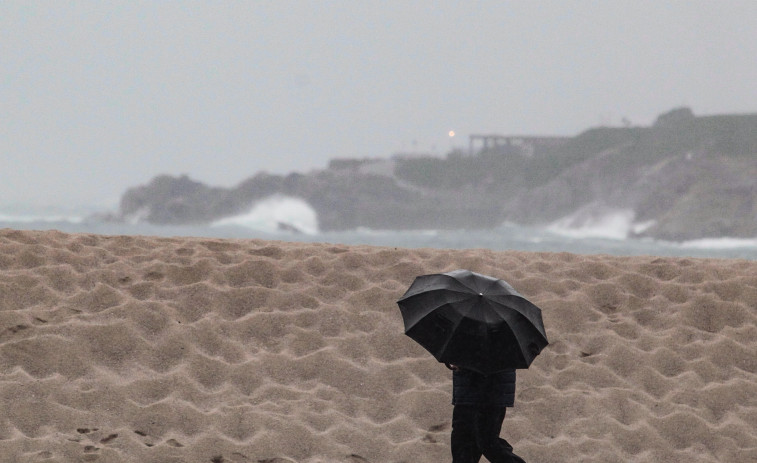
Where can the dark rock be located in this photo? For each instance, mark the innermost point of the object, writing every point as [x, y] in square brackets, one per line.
[687, 177]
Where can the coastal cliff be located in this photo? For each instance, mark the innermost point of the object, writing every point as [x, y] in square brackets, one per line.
[685, 177]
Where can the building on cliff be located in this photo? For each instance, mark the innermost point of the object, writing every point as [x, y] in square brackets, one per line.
[525, 145]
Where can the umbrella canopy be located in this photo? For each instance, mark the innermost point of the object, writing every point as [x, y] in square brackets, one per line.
[473, 321]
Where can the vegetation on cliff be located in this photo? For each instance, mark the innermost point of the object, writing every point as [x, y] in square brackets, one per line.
[685, 177]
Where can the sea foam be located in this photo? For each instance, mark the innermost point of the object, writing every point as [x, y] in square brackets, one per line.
[275, 214]
[613, 224]
[720, 243]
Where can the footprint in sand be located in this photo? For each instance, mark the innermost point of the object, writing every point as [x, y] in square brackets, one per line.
[148, 443]
[17, 328]
[85, 430]
[108, 439]
[354, 458]
[429, 437]
[90, 453]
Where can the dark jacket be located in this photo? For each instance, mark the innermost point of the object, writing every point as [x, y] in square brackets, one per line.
[471, 388]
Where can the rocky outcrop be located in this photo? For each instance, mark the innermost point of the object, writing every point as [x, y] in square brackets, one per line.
[343, 200]
[685, 177]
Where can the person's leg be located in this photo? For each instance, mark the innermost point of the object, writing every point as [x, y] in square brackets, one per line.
[463, 438]
[493, 447]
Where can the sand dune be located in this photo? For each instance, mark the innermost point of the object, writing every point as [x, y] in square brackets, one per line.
[201, 350]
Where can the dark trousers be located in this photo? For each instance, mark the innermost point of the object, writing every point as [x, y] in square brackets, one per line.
[475, 432]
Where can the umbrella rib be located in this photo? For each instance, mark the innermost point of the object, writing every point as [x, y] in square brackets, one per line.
[430, 291]
[418, 315]
[517, 309]
[456, 326]
[506, 325]
[459, 281]
[517, 314]
[522, 316]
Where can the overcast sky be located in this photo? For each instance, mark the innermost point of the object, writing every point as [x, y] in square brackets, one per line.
[96, 97]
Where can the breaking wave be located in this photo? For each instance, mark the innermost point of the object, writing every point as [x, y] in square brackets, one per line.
[607, 224]
[276, 214]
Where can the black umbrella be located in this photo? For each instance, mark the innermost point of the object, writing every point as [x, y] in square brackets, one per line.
[473, 321]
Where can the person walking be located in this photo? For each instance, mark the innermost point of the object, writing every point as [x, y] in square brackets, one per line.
[480, 404]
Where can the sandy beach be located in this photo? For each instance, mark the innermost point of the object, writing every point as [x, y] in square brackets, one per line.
[146, 349]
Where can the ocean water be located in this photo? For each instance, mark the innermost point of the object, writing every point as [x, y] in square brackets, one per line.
[264, 222]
